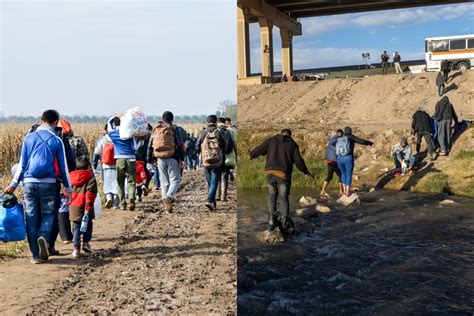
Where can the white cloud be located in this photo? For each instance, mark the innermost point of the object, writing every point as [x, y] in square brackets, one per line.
[392, 18]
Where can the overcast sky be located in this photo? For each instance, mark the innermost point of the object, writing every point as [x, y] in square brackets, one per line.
[339, 40]
[100, 57]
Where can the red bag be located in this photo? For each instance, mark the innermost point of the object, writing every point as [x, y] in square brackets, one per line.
[108, 154]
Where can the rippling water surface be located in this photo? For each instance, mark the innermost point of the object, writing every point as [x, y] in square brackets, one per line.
[397, 253]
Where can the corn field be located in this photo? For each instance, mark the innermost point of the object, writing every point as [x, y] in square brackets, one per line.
[11, 137]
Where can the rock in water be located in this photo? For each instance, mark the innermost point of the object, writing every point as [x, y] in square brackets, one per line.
[322, 208]
[271, 237]
[447, 202]
[303, 211]
[348, 200]
[307, 201]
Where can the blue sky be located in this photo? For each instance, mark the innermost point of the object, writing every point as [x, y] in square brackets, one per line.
[341, 39]
[100, 57]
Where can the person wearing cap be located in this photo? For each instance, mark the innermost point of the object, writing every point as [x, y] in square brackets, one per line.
[281, 152]
[402, 157]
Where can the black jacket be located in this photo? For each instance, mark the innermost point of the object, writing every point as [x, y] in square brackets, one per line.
[445, 66]
[282, 152]
[421, 122]
[444, 110]
[225, 140]
[396, 59]
[145, 151]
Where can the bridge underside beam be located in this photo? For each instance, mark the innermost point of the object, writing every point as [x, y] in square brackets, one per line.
[311, 8]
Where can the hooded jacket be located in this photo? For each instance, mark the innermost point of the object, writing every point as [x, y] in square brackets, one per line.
[84, 192]
[444, 110]
[282, 152]
[421, 122]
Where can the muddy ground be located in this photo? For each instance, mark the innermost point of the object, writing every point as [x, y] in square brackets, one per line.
[145, 262]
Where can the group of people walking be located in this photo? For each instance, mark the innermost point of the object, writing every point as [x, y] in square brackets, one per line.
[59, 176]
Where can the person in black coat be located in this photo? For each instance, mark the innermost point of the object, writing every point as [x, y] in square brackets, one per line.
[281, 152]
[421, 128]
[444, 115]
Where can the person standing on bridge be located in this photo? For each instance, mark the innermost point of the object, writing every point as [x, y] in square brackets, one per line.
[396, 62]
[281, 152]
[384, 58]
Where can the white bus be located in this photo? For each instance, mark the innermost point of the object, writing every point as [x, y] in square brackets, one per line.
[458, 50]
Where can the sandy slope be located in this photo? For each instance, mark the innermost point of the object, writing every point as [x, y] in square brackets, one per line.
[384, 101]
[378, 108]
[146, 262]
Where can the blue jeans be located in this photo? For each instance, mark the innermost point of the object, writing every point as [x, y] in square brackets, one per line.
[40, 204]
[170, 176]
[156, 177]
[86, 237]
[189, 162]
[212, 177]
[278, 194]
[346, 165]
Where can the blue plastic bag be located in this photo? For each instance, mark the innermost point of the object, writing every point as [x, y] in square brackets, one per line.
[12, 223]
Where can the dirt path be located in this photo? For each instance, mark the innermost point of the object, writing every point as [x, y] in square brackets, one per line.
[154, 263]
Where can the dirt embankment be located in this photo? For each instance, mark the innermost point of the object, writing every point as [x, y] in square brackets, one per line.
[373, 103]
[378, 108]
[146, 262]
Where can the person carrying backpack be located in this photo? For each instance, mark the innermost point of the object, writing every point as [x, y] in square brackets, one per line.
[145, 160]
[229, 160]
[124, 154]
[104, 149]
[345, 156]
[282, 153]
[213, 145]
[77, 143]
[36, 170]
[332, 165]
[167, 143]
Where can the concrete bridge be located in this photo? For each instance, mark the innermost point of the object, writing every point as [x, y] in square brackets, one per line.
[284, 14]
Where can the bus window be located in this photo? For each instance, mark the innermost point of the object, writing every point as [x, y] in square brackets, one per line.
[439, 46]
[470, 43]
[457, 44]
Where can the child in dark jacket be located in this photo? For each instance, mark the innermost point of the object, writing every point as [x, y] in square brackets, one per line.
[84, 192]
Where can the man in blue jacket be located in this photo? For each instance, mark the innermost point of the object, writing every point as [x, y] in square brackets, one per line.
[39, 152]
[124, 154]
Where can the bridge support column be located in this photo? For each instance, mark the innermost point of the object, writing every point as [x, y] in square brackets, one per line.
[286, 52]
[243, 44]
[266, 42]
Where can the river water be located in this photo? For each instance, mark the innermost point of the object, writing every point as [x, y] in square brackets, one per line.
[397, 253]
